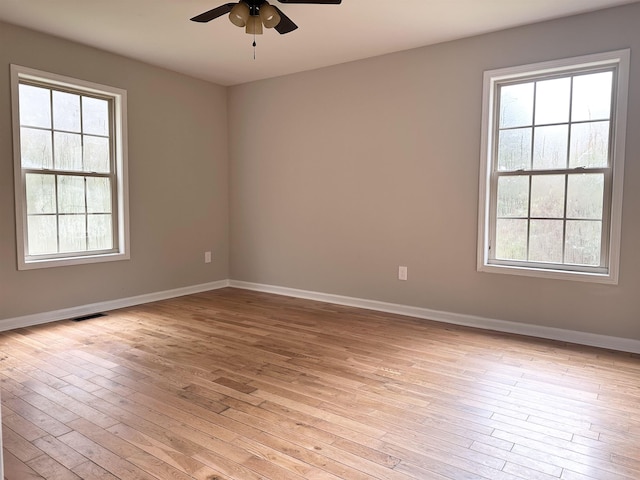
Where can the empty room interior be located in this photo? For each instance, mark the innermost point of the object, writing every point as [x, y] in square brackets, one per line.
[399, 241]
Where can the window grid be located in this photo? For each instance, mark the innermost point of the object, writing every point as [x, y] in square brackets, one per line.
[531, 172]
[56, 173]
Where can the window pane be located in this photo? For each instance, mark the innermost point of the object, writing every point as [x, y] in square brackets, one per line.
[96, 154]
[98, 195]
[589, 145]
[516, 105]
[95, 116]
[514, 149]
[42, 235]
[513, 196]
[592, 97]
[66, 111]
[583, 242]
[545, 241]
[70, 194]
[35, 148]
[585, 196]
[552, 101]
[72, 233]
[511, 239]
[41, 193]
[35, 106]
[100, 232]
[550, 147]
[68, 151]
[547, 196]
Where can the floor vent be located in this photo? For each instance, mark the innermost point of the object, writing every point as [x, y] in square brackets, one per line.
[89, 317]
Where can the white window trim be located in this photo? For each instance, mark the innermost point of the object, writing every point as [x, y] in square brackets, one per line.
[491, 78]
[121, 156]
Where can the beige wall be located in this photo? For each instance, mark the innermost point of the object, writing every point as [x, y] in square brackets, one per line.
[178, 181]
[340, 175]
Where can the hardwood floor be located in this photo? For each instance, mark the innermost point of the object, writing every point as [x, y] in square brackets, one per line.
[241, 385]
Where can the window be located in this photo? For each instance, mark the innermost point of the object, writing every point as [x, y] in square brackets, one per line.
[70, 170]
[552, 168]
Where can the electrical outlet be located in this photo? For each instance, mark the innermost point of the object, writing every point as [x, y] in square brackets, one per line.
[402, 273]
[207, 257]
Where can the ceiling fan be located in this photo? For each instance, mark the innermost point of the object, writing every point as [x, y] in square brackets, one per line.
[253, 14]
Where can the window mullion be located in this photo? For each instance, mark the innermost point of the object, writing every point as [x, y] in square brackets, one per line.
[46, 171]
[531, 159]
[559, 171]
[564, 218]
[566, 177]
[529, 216]
[57, 212]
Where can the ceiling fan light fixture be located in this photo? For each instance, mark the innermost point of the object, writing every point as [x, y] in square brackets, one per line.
[254, 25]
[240, 14]
[269, 15]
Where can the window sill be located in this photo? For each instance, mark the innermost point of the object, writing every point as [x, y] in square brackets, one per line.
[605, 278]
[62, 262]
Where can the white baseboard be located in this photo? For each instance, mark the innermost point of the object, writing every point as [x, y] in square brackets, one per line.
[571, 336]
[90, 309]
[551, 333]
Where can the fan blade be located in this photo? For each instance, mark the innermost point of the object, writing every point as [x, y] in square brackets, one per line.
[318, 2]
[286, 25]
[213, 14]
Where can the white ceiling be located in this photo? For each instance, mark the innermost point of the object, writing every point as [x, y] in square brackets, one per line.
[159, 31]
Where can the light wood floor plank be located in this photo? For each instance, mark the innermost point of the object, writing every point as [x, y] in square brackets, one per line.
[238, 385]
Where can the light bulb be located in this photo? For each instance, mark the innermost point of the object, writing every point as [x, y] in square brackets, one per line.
[269, 15]
[239, 14]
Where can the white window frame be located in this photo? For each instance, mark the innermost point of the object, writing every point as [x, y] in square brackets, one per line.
[118, 98]
[613, 202]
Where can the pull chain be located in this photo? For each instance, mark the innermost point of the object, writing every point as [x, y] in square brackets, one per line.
[254, 46]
